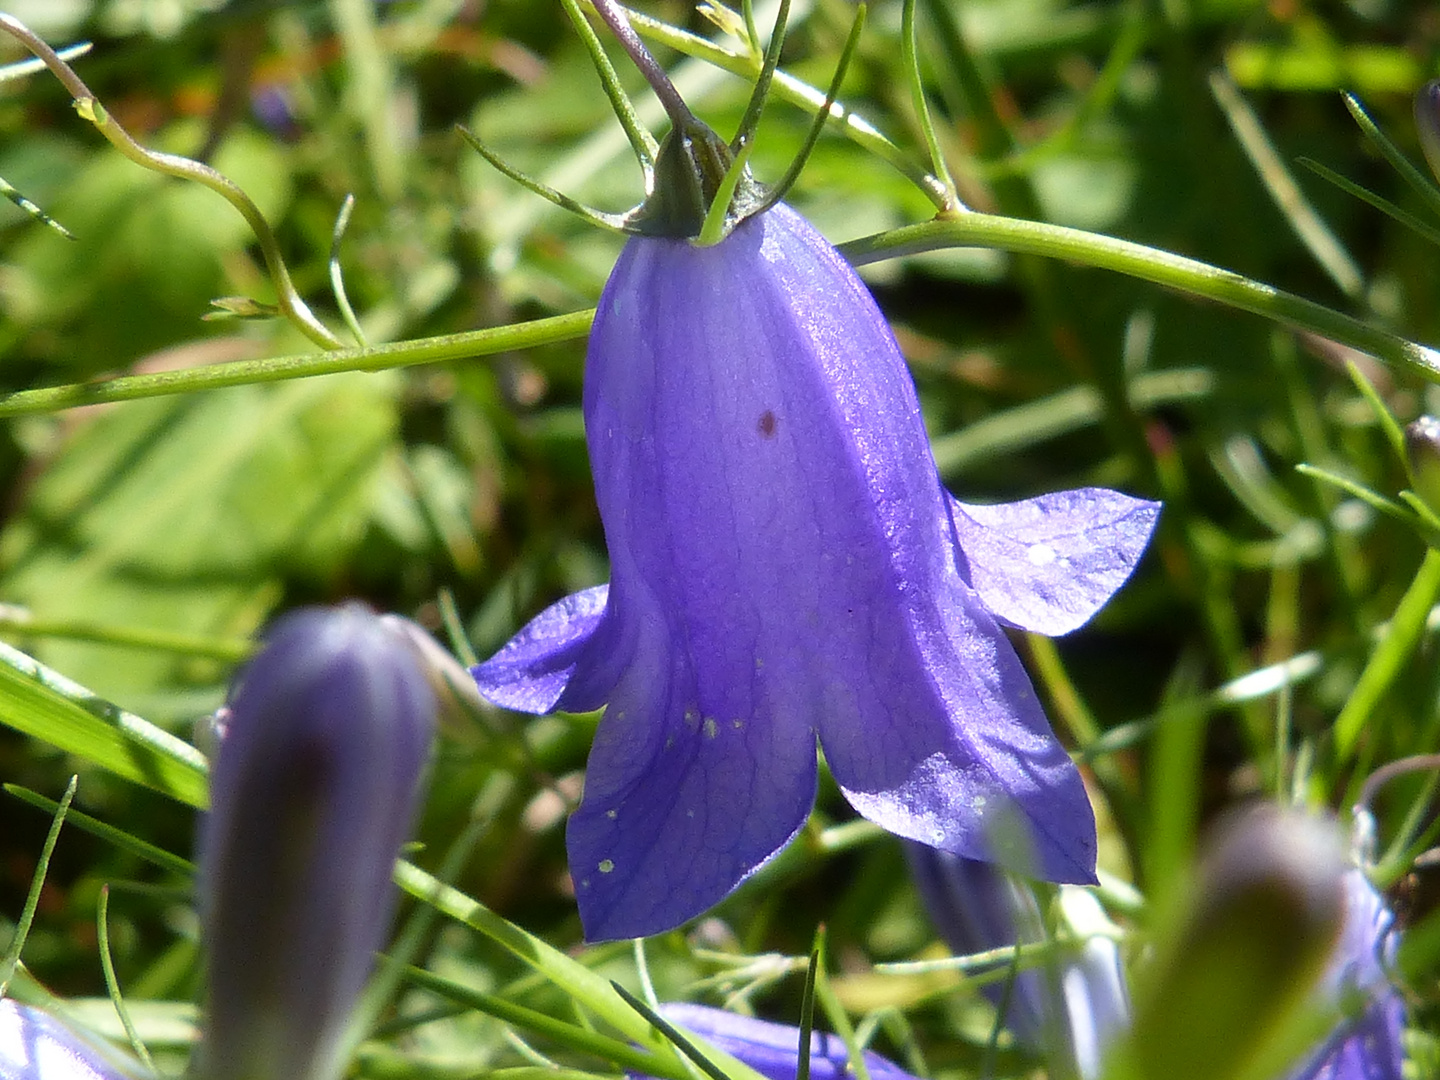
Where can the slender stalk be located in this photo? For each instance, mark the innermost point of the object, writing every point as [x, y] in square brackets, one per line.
[1148, 264]
[641, 141]
[761, 90]
[274, 369]
[856, 128]
[910, 57]
[615, 17]
[1176, 272]
[852, 42]
[183, 168]
[32, 900]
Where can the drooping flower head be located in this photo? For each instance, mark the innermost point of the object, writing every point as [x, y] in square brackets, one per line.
[313, 790]
[37, 1045]
[787, 570]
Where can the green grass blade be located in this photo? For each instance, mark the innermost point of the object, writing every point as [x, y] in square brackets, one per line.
[37, 701]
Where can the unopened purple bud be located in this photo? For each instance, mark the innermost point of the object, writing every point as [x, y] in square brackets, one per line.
[773, 1050]
[313, 792]
[36, 1045]
[1427, 123]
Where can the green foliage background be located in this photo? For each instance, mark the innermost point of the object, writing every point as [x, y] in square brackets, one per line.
[142, 543]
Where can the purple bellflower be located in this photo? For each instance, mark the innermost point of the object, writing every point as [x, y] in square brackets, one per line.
[787, 569]
[1367, 1044]
[771, 1049]
[36, 1045]
[313, 791]
[1068, 1011]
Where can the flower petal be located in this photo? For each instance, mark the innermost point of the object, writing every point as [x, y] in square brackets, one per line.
[1048, 564]
[963, 760]
[682, 804]
[533, 669]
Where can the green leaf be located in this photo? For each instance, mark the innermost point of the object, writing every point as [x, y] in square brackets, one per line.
[42, 703]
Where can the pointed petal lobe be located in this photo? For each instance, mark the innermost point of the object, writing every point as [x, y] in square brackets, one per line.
[1048, 564]
[533, 669]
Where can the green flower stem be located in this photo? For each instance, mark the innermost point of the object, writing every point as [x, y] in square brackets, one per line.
[791, 89]
[1149, 264]
[245, 372]
[90, 108]
[964, 230]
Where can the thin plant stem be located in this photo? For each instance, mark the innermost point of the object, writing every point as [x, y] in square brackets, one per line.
[616, 18]
[89, 107]
[37, 882]
[1185, 275]
[641, 141]
[1148, 264]
[910, 58]
[337, 276]
[856, 128]
[852, 42]
[107, 965]
[760, 92]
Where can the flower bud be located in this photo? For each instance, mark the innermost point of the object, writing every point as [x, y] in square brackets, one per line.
[1263, 919]
[313, 791]
[1427, 123]
[1422, 455]
[34, 1045]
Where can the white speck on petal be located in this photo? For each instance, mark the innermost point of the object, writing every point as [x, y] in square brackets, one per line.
[1040, 554]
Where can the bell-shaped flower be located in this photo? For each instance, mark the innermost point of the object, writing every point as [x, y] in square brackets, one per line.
[1067, 1010]
[773, 1050]
[785, 568]
[37, 1045]
[1367, 1044]
[313, 791]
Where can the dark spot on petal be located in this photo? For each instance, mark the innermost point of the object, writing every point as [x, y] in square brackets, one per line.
[766, 425]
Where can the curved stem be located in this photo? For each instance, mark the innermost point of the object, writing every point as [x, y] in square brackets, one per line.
[1149, 264]
[616, 19]
[274, 369]
[89, 107]
[856, 128]
[966, 230]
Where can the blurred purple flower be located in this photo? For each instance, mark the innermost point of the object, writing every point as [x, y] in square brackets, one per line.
[36, 1045]
[313, 791]
[1067, 1011]
[1366, 1045]
[773, 1050]
[785, 565]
